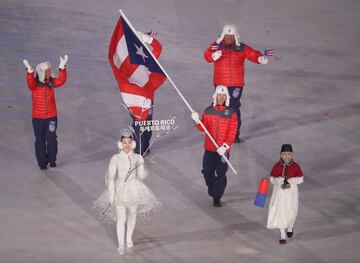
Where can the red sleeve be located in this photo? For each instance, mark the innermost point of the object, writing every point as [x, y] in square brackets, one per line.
[31, 81]
[275, 171]
[252, 54]
[298, 173]
[208, 53]
[59, 81]
[156, 48]
[204, 120]
[233, 124]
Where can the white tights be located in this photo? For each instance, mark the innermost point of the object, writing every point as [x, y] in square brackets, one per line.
[125, 215]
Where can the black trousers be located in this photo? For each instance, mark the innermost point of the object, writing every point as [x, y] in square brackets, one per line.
[214, 171]
[142, 138]
[45, 140]
[235, 95]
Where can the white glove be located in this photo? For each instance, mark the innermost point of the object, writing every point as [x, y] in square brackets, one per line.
[28, 66]
[220, 38]
[146, 38]
[111, 196]
[222, 149]
[63, 62]
[216, 55]
[195, 117]
[263, 60]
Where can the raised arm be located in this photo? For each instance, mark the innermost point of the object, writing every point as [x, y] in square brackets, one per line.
[211, 54]
[156, 47]
[59, 81]
[30, 79]
[252, 54]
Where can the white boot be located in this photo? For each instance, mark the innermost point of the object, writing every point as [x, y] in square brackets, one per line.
[121, 250]
[129, 243]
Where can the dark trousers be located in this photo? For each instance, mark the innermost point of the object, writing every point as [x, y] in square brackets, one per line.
[214, 171]
[45, 140]
[142, 138]
[235, 95]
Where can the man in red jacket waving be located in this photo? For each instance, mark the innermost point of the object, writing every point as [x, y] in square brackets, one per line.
[221, 122]
[44, 113]
[228, 56]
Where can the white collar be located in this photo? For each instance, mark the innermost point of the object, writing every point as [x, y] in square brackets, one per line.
[126, 154]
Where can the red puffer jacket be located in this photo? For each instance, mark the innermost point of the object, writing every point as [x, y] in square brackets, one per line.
[229, 68]
[221, 122]
[43, 95]
[292, 170]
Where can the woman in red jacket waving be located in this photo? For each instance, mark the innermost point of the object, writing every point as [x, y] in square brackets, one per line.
[44, 114]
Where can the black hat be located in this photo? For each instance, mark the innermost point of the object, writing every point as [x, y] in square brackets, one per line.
[286, 148]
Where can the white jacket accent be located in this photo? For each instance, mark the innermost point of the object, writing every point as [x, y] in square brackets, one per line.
[124, 164]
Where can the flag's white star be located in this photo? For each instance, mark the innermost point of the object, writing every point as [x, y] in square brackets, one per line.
[140, 52]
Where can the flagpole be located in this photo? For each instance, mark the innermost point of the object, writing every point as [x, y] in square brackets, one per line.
[176, 89]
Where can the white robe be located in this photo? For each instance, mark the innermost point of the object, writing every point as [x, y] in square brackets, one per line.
[284, 203]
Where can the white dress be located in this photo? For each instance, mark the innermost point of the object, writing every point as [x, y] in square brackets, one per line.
[284, 203]
[124, 180]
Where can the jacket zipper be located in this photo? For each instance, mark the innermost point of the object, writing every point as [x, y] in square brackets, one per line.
[217, 128]
[230, 69]
[46, 101]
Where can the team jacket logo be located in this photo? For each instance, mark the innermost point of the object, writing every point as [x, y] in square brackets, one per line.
[52, 126]
[236, 93]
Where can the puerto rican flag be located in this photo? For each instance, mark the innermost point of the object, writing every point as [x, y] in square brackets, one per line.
[137, 72]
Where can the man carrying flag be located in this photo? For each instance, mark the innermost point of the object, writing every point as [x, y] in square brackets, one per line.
[221, 122]
[138, 75]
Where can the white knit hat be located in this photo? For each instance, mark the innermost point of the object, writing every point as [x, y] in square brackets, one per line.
[41, 68]
[220, 89]
[229, 30]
